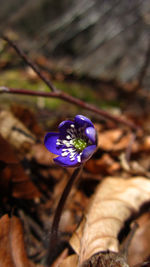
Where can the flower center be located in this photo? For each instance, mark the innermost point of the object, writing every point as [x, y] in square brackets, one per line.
[79, 144]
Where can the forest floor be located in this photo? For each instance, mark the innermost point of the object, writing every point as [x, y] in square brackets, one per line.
[31, 183]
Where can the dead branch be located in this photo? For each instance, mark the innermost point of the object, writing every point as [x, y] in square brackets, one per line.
[144, 68]
[55, 92]
[72, 100]
[30, 63]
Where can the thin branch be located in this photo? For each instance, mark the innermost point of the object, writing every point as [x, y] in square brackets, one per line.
[57, 93]
[144, 68]
[72, 100]
[30, 63]
[129, 147]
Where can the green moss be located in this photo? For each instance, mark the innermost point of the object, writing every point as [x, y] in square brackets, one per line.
[13, 78]
[85, 93]
[19, 79]
[75, 89]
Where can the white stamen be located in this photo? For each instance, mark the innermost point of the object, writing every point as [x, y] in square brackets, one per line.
[79, 158]
[71, 133]
[65, 153]
[64, 149]
[68, 143]
[72, 155]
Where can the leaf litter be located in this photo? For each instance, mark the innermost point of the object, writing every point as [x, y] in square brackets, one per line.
[100, 210]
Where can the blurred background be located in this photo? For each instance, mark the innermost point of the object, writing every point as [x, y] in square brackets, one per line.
[99, 38]
[97, 51]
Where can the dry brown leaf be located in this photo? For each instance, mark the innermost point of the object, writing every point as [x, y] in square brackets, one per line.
[114, 140]
[70, 261]
[139, 249]
[13, 179]
[8, 155]
[146, 143]
[12, 249]
[61, 258]
[28, 118]
[14, 130]
[15, 182]
[41, 155]
[134, 167]
[22, 186]
[114, 201]
[104, 165]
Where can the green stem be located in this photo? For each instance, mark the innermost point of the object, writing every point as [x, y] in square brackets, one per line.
[54, 230]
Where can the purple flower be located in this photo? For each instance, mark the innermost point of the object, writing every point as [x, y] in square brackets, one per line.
[75, 142]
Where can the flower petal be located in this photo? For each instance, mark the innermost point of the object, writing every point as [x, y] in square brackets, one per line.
[63, 127]
[50, 143]
[91, 134]
[88, 152]
[66, 162]
[81, 121]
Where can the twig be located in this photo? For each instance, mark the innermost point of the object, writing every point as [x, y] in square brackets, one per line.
[144, 68]
[54, 230]
[129, 147]
[57, 93]
[30, 63]
[72, 100]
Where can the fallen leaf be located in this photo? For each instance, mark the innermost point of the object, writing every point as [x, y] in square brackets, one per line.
[8, 155]
[70, 261]
[140, 245]
[12, 248]
[60, 259]
[113, 140]
[41, 155]
[146, 143]
[28, 118]
[14, 130]
[115, 200]
[14, 181]
[104, 165]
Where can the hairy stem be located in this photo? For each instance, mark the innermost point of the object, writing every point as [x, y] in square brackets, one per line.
[54, 230]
